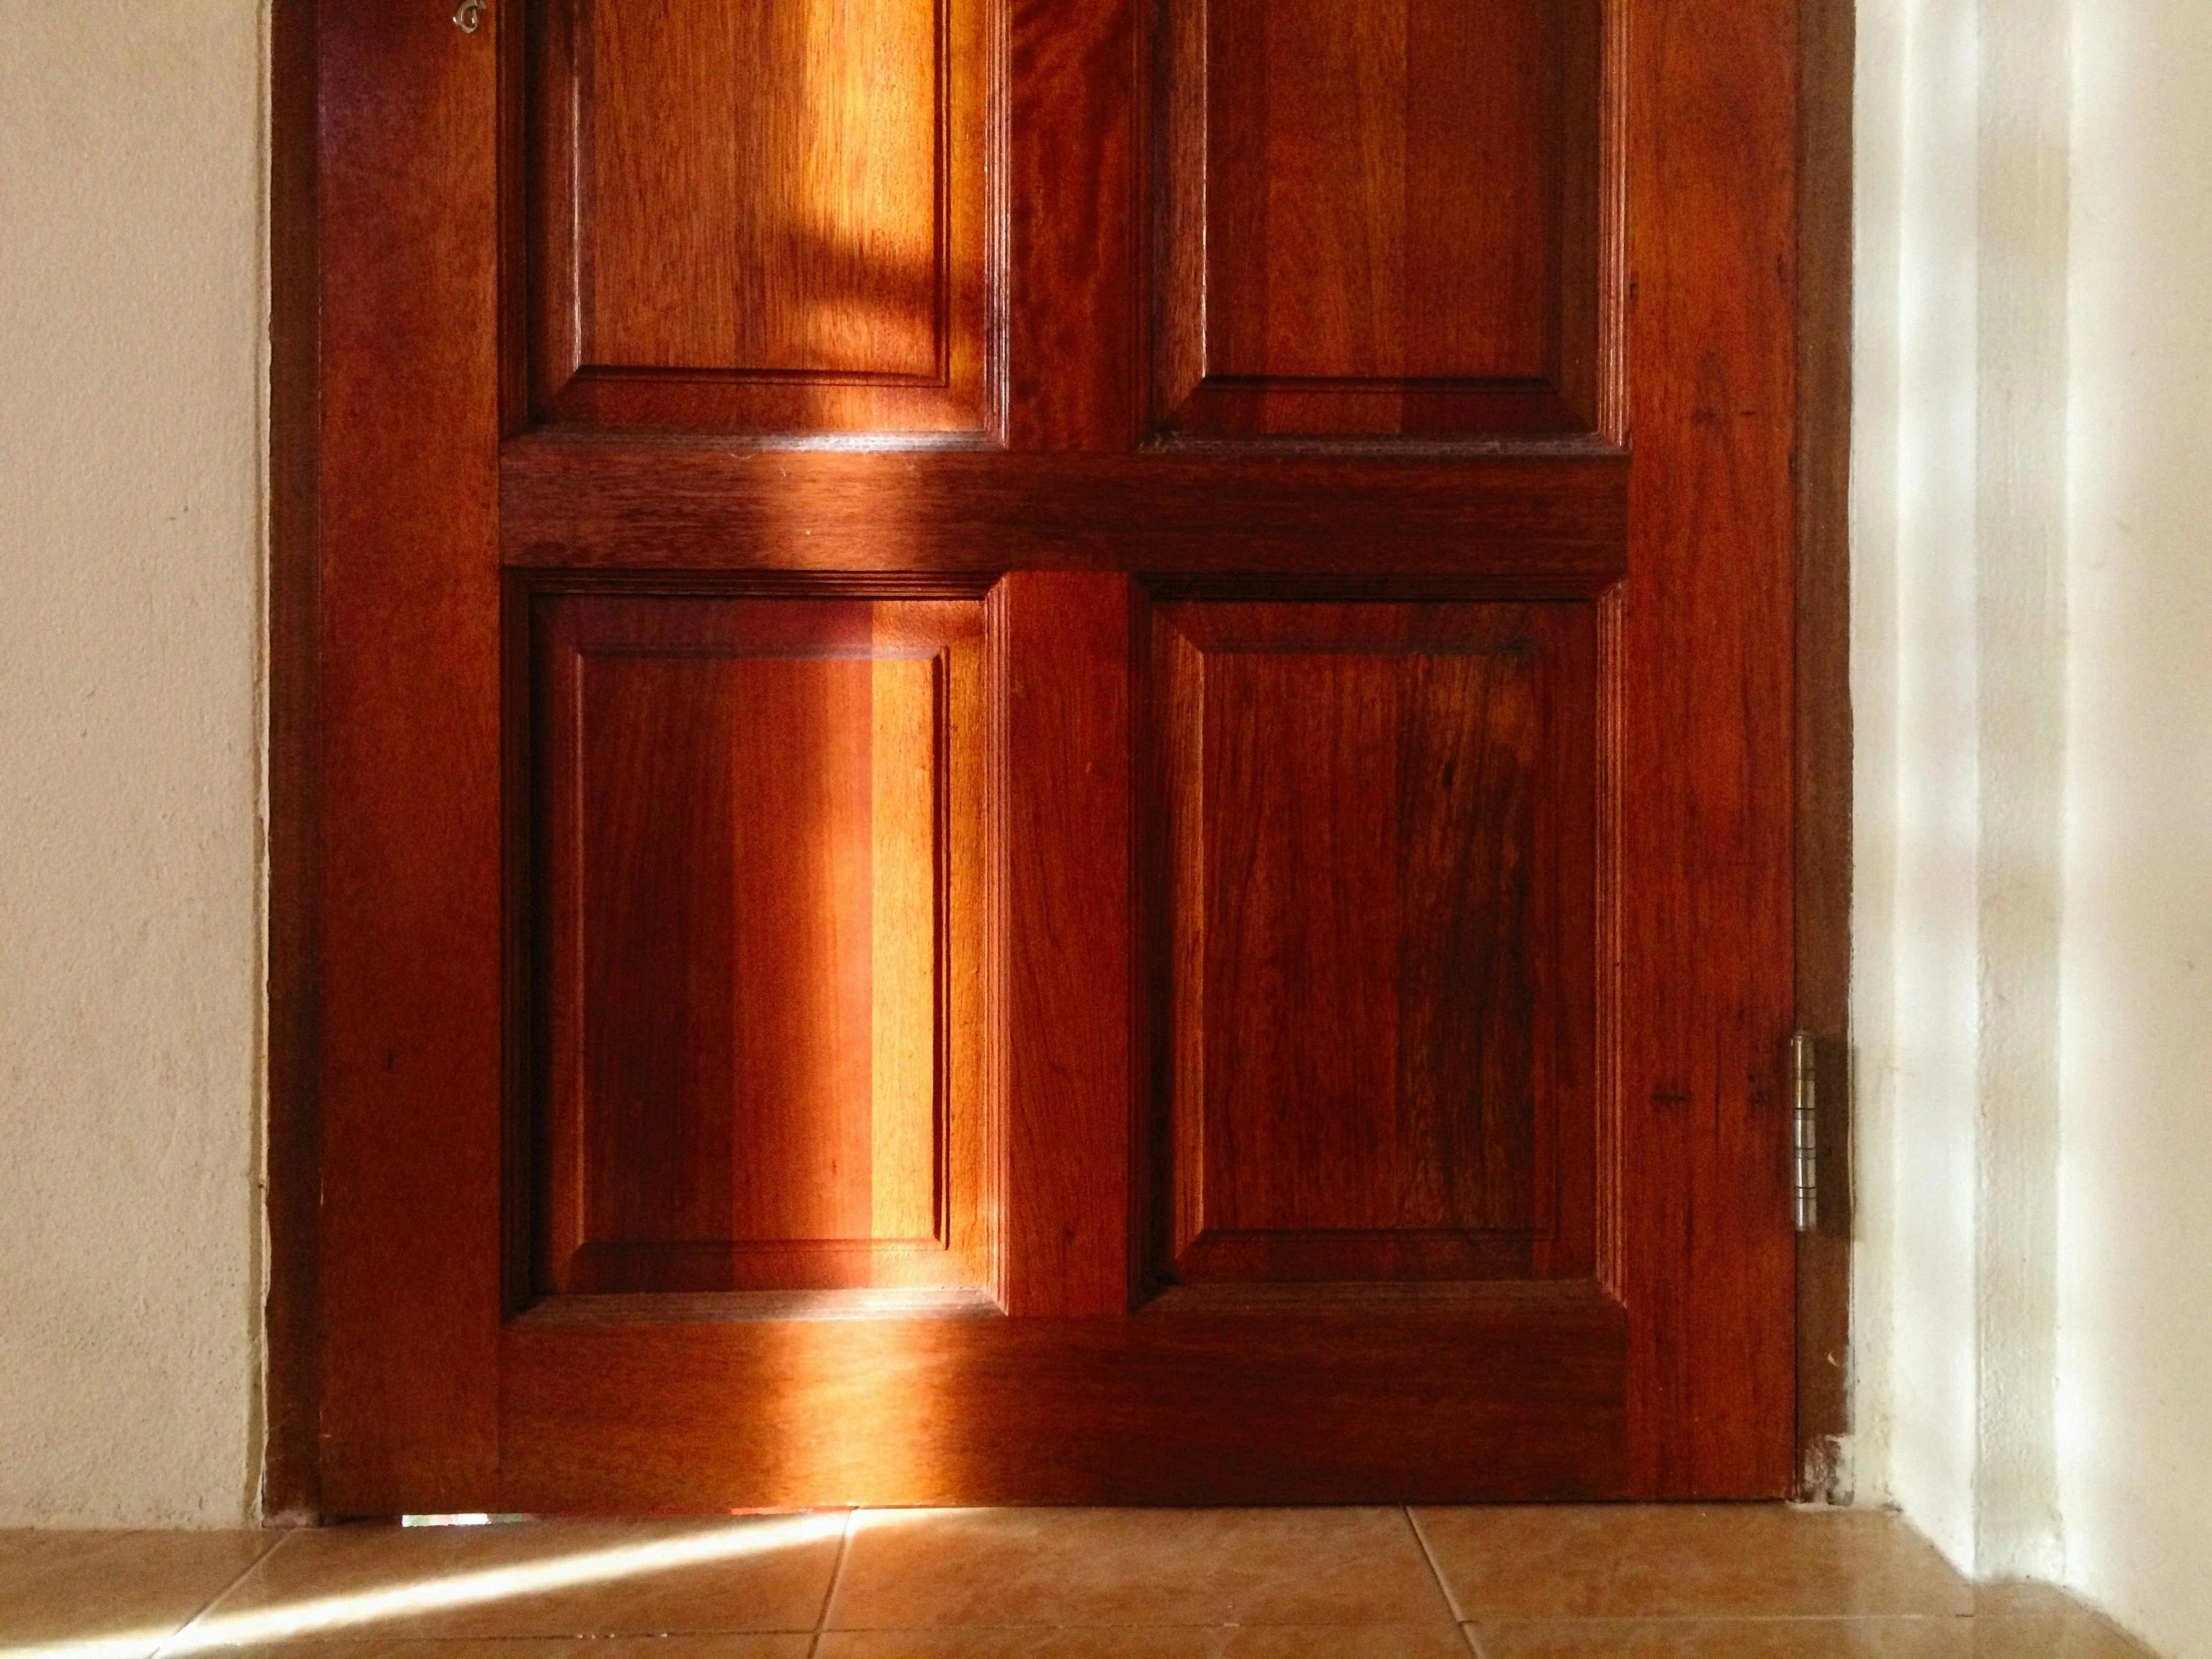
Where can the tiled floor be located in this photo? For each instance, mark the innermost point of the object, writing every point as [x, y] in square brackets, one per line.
[1652, 1583]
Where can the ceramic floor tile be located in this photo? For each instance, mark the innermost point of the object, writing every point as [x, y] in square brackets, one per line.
[555, 1578]
[2046, 1622]
[795, 1645]
[2077, 1634]
[1182, 1642]
[1940, 1637]
[125, 1591]
[1746, 1560]
[915, 1571]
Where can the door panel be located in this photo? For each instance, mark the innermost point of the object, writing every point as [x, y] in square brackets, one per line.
[1381, 216]
[1057, 759]
[1379, 939]
[753, 818]
[760, 217]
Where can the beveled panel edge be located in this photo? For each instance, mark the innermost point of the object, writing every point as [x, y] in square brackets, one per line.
[1323, 1298]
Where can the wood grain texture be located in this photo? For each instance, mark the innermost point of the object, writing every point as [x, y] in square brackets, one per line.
[290, 1477]
[1554, 526]
[765, 218]
[1705, 751]
[1658, 590]
[744, 815]
[1377, 845]
[1061, 920]
[1073, 169]
[1509, 1400]
[1824, 734]
[1378, 217]
[411, 990]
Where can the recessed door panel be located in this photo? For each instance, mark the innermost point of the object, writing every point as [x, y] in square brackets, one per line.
[1380, 217]
[743, 820]
[1377, 874]
[760, 215]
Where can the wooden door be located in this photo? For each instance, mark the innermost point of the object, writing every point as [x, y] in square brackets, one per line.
[1055, 752]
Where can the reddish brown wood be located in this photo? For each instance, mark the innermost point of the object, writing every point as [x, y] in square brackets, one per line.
[1703, 759]
[709, 250]
[1061, 650]
[290, 1477]
[1358, 1401]
[748, 845]
[1656, 1362]
[1073, 182]
[1380, 217]
[1540, 526]
[411, 990]
[1823, 723]
[1378, 938]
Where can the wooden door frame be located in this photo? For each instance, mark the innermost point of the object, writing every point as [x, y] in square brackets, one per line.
[291, 1383]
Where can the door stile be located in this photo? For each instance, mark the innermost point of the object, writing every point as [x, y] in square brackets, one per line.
[1706, 625]
[412, 985]
[1062, 1011]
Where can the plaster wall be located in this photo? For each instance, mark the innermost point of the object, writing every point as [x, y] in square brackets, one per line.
[2135, 1425]
[1959, 427]
[2033, 568]
[130, 317]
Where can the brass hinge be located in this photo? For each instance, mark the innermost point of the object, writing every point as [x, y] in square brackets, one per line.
[1804, 1130]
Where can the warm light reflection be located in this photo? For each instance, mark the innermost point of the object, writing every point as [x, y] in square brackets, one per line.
[410, 1598]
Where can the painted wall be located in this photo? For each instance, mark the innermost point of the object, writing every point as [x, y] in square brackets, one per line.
[2134, 1222]
[1958, 549]
[131, 321]
[2033, 920]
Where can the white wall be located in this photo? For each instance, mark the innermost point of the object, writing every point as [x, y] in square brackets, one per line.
[1958, 550]
[131, 322]
[2032, 661]
[2135, 1219]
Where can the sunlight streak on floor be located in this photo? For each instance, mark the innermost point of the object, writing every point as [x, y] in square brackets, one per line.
[355, 1610]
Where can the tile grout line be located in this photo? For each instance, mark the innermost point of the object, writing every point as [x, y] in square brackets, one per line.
[1451, 1602]
[836, 1577]
[213, 1602]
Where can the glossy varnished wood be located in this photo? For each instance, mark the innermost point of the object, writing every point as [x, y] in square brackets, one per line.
[1652, 532]
[1507, 1398]
[761, 217]
[1703, 734]
[1061, 922]
[411, 1004]
[753, 818]
[1824, 764]
[290, 1478]
[1374, 833]
[1532, 526]
[1074, 185]
[1380, 217]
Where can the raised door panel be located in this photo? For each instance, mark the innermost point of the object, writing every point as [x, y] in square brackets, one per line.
[1380, 217]
[748, 853]
[759, 215]
[1377, 834]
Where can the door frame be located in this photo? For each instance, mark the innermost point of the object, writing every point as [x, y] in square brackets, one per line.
[292, 1138]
